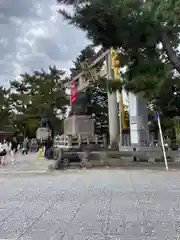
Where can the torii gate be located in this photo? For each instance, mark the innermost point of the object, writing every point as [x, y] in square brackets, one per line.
[139, 132]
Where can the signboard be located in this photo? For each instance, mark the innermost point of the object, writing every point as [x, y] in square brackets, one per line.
[133, 120]
[156, 116]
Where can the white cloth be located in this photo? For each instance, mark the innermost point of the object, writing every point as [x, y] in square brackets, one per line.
[6, 147]
[1, 148]
[10, 144]
[12, 153]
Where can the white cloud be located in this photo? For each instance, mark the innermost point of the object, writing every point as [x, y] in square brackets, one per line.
[34, 36]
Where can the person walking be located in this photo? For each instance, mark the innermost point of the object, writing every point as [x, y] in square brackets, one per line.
[5, 146]
[25, 146]
[13, 147]
[3, 152]
[48, 146]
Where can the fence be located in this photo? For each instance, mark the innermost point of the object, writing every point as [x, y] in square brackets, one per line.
[67, 141]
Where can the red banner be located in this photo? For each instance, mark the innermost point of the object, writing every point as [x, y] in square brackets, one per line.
[73, 92]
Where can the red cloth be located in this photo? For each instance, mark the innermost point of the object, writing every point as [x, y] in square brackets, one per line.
[73, 92]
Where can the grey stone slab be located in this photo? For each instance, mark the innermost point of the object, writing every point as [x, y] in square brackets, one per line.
[92, 226]
[29, 196]
[44, 234]
[30, 211]
[46, 229]
[119, 204]
[160, 215]
[162, 230]
[63, 203]
[67, 212]
[52, 213]
[82, 236]
[46, 225]
[130, 229]
[94, 209]
[92, 204]
[62, 213]
[40, 234]
[158, 197]
[5, 213]
[92, 217]
[123, 237]
[11, 228]
[127, 215]
[7, 196]
[11, 205]
[175, 213]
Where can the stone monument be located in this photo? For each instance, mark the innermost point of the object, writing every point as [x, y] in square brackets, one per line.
[44, 131]
[79, 122]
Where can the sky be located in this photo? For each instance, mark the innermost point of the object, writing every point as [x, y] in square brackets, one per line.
[33, 35]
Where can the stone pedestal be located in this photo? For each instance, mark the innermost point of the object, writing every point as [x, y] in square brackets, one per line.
[175, 155]
[79, 125]
[43, 133]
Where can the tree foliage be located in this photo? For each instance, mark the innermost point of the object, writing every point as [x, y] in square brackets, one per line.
[38, 95]
[4, 107]
[167, 102]
[136, 27]
[147, 34]
[86, 56]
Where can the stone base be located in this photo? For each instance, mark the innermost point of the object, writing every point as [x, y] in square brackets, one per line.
[79, 125]
[175, 155]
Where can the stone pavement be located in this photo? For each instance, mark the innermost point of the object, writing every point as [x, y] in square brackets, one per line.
[26, 163]
[91, 204]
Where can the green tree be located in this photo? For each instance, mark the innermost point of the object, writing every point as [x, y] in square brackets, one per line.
[87, 55]
[147, 34]
[136, 27]
[5, 115]
[167, 102]
[38, 95]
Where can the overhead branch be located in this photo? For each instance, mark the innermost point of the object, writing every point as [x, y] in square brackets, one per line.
[173, 58]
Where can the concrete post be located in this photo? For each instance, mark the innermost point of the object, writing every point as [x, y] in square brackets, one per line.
[96, 139]
[104, 141]
[139, 131]
[88, 140]
[112, 108]
[79, 140]
[69, 140]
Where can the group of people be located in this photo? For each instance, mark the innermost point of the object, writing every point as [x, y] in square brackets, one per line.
[8, 148]
[45, 148]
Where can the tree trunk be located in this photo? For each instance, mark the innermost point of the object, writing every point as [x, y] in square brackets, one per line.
[173, 58]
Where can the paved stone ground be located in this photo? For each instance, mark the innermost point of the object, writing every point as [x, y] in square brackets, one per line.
[91, 204]
[26, 163]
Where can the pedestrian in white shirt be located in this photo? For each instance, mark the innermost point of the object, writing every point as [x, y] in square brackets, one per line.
[3, 152]
[13, 147]
[7, 147]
